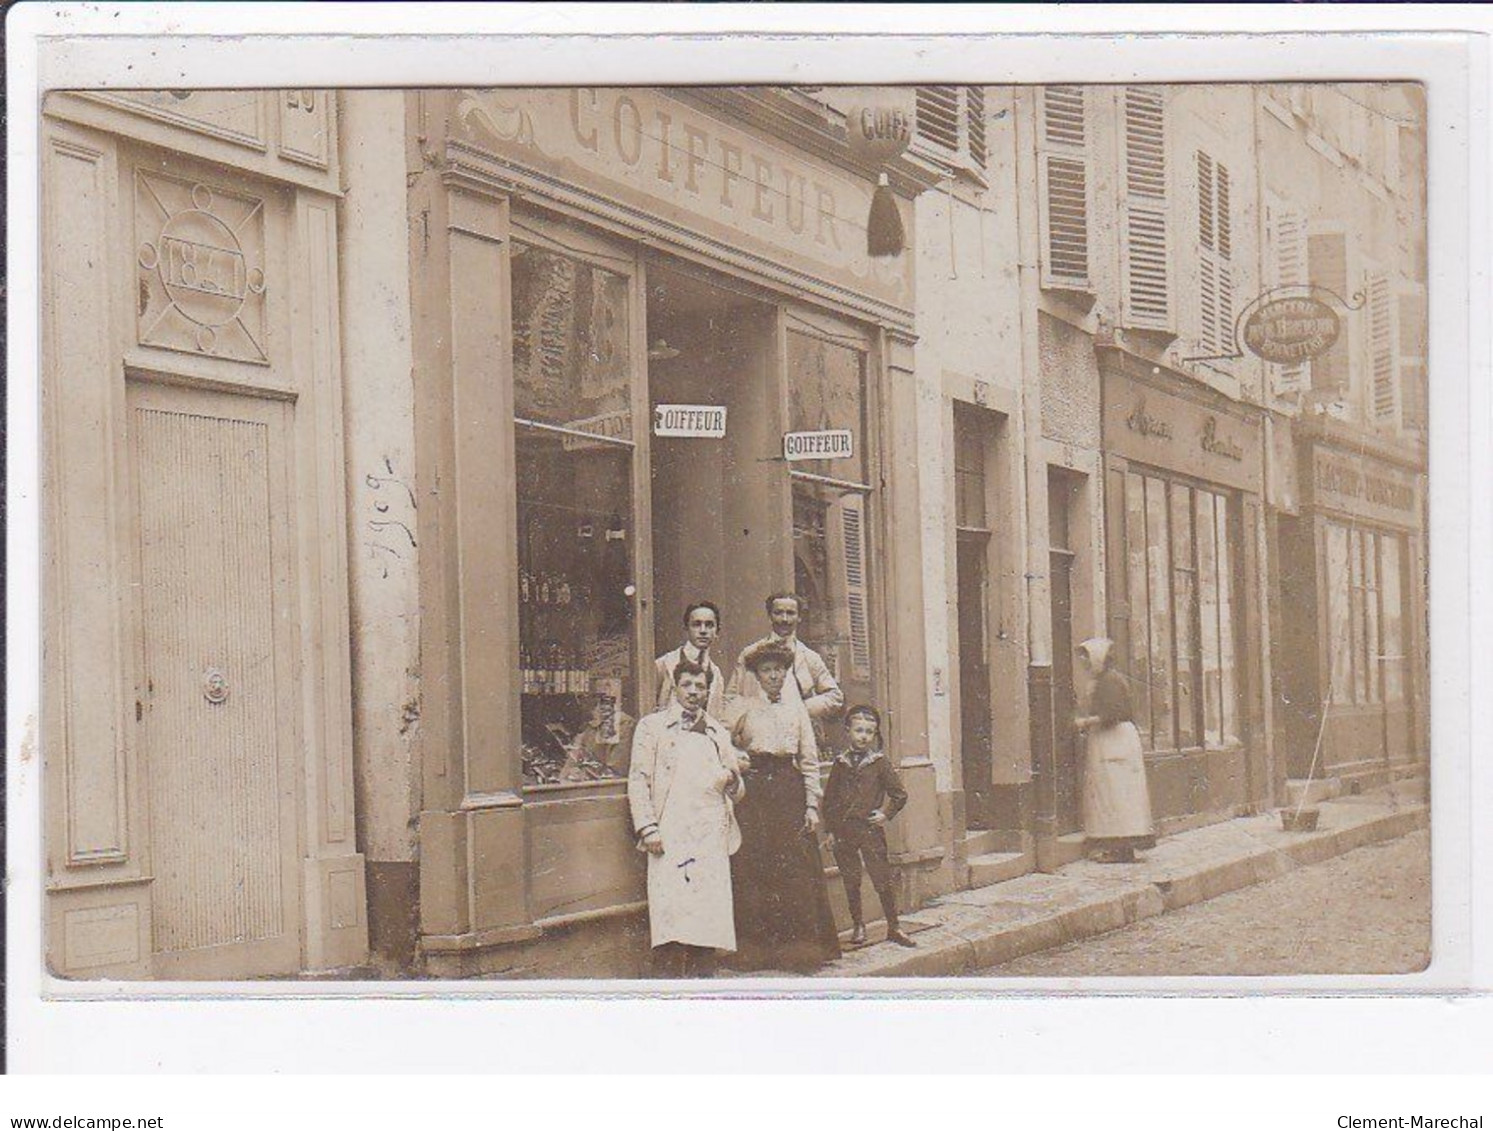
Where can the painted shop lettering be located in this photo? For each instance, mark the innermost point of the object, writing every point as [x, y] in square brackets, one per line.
[685, 154]
[1220, 445]
[1147, 425]
[1341, 479]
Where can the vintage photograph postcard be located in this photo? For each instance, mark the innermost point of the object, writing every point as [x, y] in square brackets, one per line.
[730, 532]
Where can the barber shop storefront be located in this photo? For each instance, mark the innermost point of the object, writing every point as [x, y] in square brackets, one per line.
[659, 368]
[1353, 609]
[1184, 478]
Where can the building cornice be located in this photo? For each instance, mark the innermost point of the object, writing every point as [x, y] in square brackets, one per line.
[1350, 437]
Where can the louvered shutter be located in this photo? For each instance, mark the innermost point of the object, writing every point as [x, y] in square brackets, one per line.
[1064, 188]
[938, 116]
[1327, 267]
[1384, 393]
[1286, 229]
[974, 119]
[1147, 297]
[1215, 249]
[1412, 360]
[858, 617]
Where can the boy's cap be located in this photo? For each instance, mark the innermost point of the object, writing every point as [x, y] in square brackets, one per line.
[769, 651]
[865, 710]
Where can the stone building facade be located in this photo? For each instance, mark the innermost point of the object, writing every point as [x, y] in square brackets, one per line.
[362, 532]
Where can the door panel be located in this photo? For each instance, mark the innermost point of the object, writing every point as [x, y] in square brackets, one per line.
[218, 703]
[974, 682]
[1064, 700]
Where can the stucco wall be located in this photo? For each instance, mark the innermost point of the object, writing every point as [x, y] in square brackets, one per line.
[383, 526]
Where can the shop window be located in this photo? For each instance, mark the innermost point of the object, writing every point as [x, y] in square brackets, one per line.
[1179, 574]
[574, 458]
[1137, 587]
[1365, 615]
[1339, 627]
[1391, 620]
[831, 510]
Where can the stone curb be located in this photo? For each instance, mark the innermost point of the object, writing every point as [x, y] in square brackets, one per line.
[975, 937]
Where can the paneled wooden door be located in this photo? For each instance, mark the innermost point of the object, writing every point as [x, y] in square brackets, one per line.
[218, 702]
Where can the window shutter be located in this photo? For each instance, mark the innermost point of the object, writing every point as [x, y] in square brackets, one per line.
[1412, 360]
[1064, 188]
[1215, 247]
[1286, 230]
[1147, 298]
[1327, 267]
[1385, 393]
[852, 523]
[975, 125]
[938, 116]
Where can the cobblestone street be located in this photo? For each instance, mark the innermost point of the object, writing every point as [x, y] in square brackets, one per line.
[1365, 912]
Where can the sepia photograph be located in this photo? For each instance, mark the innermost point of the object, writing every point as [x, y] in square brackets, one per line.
[699, 535]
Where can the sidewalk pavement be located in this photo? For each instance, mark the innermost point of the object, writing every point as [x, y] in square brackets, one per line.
[967, 931]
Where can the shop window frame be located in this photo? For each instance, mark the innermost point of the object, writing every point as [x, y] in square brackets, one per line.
[1233, 713]
[561, 235]
[817, 325]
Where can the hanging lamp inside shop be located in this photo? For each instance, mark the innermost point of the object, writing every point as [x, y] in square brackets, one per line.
[660, 350]
[878, 124]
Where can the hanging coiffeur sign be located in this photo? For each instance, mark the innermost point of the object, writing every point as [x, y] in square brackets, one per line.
[1287, 331]
[879, 125]
[831, 443]
[693, 421]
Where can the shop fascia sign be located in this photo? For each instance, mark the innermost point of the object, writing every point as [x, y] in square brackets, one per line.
[690, 421]
[828, 443]
[1289, 325]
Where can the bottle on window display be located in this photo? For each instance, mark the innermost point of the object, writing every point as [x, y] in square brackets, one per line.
[523, 586]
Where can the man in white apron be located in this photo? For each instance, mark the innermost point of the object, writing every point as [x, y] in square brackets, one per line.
[681, 788]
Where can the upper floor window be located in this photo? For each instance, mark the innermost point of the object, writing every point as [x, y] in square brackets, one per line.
[1215, 242]
[1146, 268]
[951, 125]
[1063, 191]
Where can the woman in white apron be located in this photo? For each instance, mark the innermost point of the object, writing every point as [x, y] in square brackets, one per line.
[681, 787]
[1116, 800]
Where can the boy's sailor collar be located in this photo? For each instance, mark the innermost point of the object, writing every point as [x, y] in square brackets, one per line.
[866, 759]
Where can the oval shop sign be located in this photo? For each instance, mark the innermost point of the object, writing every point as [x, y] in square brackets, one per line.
[1286, 331]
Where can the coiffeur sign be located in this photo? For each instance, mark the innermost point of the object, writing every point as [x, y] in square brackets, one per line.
[1288, 331]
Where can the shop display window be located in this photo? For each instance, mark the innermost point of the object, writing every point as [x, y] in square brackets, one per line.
[574, 460]
[1392, 620]
[1365, 616]
[827, 389]
[1339, 627]
[1179, 572]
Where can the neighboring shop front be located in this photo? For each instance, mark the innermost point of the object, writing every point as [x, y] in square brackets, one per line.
[1184, 485]
[198, 784]
[626, 306]
[1352, 596]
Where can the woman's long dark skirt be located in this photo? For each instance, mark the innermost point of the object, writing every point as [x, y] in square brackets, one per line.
[783, 918]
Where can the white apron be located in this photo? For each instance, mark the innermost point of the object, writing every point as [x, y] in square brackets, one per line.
[1115, 800]
[689, 886]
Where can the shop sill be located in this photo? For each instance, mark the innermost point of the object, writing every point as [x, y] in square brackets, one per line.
[1192, 752]
[574, 790]
[596, 914]
[477, 940]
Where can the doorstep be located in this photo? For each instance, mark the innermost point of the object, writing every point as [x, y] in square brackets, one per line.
[971, 930]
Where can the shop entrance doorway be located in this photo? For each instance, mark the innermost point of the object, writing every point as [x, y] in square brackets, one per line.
[718, 522]
[1062, 489]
